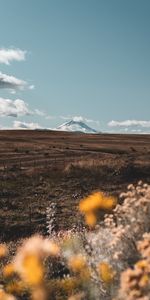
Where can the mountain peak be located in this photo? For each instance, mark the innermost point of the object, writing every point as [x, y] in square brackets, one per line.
[76, 126]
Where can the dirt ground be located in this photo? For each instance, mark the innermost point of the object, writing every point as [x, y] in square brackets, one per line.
[41, 167]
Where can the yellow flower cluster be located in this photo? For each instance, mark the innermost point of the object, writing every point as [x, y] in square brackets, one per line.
[106, 272]
[32, 270]
[28, 262]
[28, 266]
[93, 203]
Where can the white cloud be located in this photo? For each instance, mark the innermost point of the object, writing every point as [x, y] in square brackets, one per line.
[129, 123]
[13, 108]
[92, 121]
[43, 114]
[11, 82]
[25, 125]
[9, 55]
[39, 112]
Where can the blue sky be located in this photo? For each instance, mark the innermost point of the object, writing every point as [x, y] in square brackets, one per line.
[78, 58]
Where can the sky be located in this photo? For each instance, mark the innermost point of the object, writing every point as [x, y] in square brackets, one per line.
[85, 60]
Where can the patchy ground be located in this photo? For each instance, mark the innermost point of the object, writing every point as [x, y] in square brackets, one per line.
[40, 167]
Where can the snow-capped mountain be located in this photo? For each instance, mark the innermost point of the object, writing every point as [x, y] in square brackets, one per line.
[76, 126]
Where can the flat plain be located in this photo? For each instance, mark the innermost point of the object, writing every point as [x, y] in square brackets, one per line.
[40, 167]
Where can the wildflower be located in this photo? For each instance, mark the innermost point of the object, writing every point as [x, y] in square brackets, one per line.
[8, 270]
[77, 263]
[135, 282]
[28, 261]
[32, 271]
[97, 201]
[91, 203]
[3, 250]
[108, 203]
[90, 219]
[106, 272]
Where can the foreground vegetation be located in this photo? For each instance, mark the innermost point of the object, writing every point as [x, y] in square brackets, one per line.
[108, 259]
[38, 167]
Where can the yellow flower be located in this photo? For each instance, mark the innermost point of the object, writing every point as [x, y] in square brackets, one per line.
[106, 272]
[91, 203]
[77, 263]
[97, 201]
[108, 203]
[90, 219]
[8, 270]
[3, 250]
[32, 270]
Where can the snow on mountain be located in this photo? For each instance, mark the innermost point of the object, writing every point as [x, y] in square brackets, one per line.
[76, 126]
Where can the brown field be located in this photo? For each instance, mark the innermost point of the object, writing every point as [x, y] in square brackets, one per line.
[38, 167]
